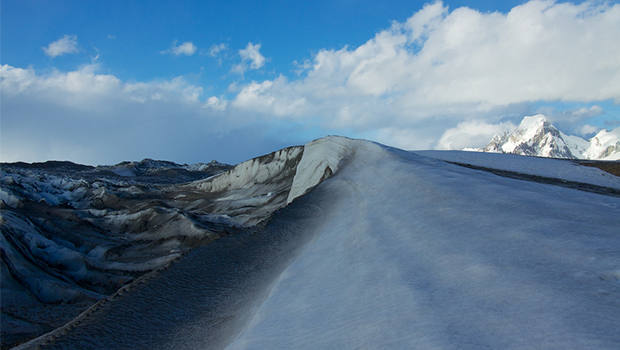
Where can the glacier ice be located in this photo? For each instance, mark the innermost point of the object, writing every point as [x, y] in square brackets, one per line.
[376, 248]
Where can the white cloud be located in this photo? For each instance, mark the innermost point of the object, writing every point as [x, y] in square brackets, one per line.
[570, 120]
[252, 55]
[454, 66]
[216, 49]
[66, 44]
[218, 104]
[187, 48]
[586, 130]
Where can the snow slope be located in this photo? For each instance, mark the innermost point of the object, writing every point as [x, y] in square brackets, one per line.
[562, 169]
[394, 250]
[417, 253]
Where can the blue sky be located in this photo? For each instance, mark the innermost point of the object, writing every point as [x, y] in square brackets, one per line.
[99, 82]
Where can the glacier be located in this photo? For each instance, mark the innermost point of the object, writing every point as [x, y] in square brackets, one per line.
[365, 246]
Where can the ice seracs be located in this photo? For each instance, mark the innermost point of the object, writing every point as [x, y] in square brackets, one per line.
[536, 136]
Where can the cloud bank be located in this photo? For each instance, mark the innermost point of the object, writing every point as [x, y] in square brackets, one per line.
[93, 118]
[441, 79]
[442, 67]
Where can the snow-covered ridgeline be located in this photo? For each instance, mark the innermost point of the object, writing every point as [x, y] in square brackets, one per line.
[320, 160]
[312, 163]
[561, 169]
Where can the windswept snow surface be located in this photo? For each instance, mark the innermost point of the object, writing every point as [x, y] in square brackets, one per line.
[418, 253]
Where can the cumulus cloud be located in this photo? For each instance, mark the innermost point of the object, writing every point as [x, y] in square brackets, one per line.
[252, 56]
[187, 48]
[451, 66]
[66, 44]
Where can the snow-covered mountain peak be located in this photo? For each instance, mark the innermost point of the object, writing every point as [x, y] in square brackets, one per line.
[530, 126]
[536, 136]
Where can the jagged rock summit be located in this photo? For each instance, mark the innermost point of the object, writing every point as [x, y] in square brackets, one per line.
[536, 136]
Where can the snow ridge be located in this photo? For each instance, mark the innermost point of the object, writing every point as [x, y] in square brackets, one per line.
[321, 159]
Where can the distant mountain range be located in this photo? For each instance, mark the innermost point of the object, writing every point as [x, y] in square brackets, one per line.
[536, 136]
